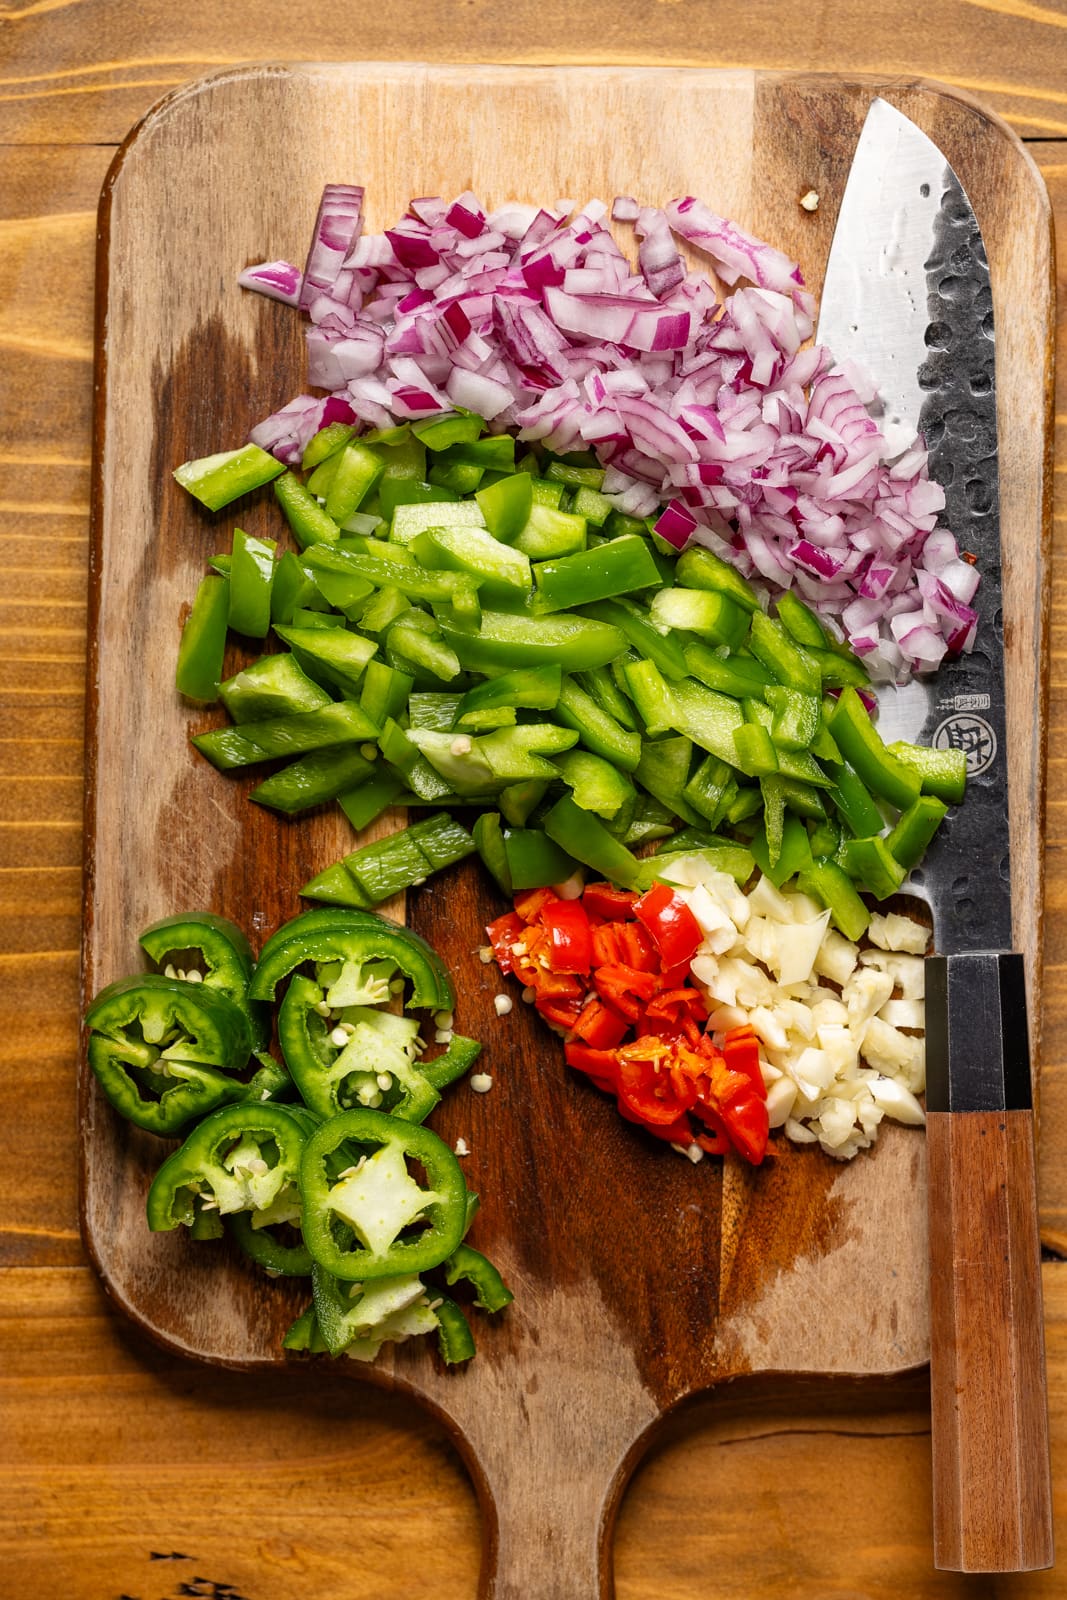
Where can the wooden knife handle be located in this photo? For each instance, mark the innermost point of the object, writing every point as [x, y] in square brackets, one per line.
[989, 1413]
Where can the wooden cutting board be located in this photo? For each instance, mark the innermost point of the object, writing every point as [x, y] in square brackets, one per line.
[639, 1279]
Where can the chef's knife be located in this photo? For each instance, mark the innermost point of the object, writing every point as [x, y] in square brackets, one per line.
[907, 299]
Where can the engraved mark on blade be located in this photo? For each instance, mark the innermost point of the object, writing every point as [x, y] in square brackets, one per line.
[973, 735]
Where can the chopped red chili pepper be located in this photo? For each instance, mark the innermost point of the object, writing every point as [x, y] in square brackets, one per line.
[502, 934]
[532, 902]
[604, 900]
[569, 934]
[560, 1012]
[639, 1037]
[601, 1026]
[675, 931]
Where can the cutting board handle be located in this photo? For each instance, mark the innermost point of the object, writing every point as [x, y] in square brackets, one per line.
[549, 1499]
[992, 1489]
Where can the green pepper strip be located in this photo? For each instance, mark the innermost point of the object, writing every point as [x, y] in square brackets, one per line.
[618, 567]
[371, 798]
[274, 686]
[205, 1166]
[632, 622]
[597, 785]
[582, 836]
[504, 641]
[536, 861]
[452, 1063]
[908, 841]
[312, 781]
[216, 480]
[304, 1334]
[942, 772]
[518, 802]
[331, 725]
[337, 654]
[831, 886]
[325, 443]
[203, 641]
[871, 864]
[861, 746]
[664, 771]
[309, 522]
[740, 677]
[533, 688]
[506, 505]
[488, 836]
[794, 854]
[353, 1224]
[251, 580]
[853, 802]
[790, 663]
[503, 573]
[701, 569]
[405, 576]
[597, 729]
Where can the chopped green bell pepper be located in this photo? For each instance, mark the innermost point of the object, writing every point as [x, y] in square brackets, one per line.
[617, 567]
[941, 772]
[313, 780]
[203, 641]
[308, 521]
[587, 840]
[504, 641]
[331, 725]
[908, 841]
[861, 745]
[216, 480]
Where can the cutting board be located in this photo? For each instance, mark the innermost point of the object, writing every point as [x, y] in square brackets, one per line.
[640, 1280]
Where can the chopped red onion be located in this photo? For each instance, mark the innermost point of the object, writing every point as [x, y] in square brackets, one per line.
[279, 280]
[712, 417]
[337, 229]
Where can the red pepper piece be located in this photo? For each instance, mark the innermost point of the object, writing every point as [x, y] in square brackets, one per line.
[675, 977]
[502, 934]
[677, 1132]
[570, 936]
[674, 929]
[532, 902]
[561, 1013]
[557, 985]
[638, 949]
[601, 1027]
[672, 1005]
[604, 900]
[619, 976]
[602, 1066]
[741, 1052]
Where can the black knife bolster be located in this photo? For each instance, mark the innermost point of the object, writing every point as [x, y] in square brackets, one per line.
[977, 1039]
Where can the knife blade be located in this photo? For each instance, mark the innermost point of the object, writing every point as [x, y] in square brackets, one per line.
[907, 299]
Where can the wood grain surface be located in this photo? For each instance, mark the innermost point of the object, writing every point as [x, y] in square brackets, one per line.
[118, 1452]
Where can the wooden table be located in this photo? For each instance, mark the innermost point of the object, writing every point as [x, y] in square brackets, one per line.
[128, 1472]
